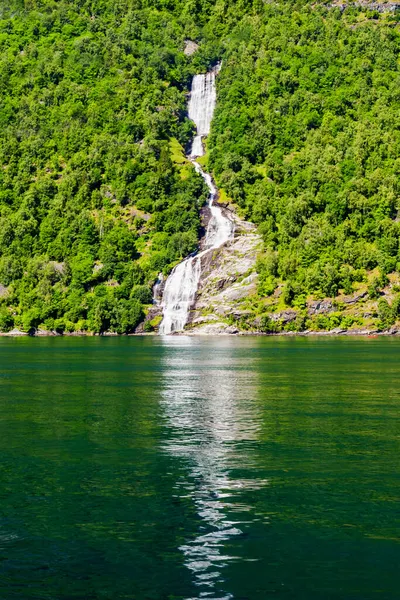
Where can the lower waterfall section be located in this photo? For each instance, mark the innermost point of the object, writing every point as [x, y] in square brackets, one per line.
[179, 294]
[182, 284]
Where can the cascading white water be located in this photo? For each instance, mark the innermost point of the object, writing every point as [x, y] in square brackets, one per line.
[220, 229]
[181, 286]
[203, 97]
[179, 294]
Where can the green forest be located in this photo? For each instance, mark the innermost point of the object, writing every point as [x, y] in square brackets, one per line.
[306, 141]
[95, 195]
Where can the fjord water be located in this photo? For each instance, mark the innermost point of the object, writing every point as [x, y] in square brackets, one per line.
[188, 468]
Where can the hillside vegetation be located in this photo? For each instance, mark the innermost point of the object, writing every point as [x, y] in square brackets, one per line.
[96, 197]
[306, 141]
[92, 205]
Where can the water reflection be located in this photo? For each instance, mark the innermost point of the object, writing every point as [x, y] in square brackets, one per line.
[213, 424]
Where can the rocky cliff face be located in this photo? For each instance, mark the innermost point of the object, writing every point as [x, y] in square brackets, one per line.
[228, 279]
[227, 300]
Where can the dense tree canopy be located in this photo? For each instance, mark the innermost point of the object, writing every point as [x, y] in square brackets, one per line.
[96, 197]
[92, 206]
[306, 140]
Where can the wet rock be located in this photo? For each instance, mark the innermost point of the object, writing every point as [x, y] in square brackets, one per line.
[223, 283]
[220, 288]
[46, 333]
[14, 333]
[158, 289]
[215, 329]
[241, 227]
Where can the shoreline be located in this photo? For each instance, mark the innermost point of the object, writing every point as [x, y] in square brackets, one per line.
[331, 333]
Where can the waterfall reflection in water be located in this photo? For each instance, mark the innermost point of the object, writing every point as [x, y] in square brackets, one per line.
[212, 429]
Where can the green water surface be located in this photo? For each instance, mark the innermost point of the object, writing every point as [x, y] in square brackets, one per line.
[187, 468]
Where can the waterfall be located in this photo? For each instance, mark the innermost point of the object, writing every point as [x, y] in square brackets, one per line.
[179, 294]
[181, 286]
[202, 101]
[220, 229]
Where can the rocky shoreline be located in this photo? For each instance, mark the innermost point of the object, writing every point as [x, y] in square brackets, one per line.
[216, 329]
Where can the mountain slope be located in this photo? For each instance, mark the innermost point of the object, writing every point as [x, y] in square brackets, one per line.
[96, 197]
[306, 142]
[93, 203]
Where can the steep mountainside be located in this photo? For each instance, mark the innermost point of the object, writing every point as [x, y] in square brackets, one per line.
[93, 199]
[306, 142]
[97, 198]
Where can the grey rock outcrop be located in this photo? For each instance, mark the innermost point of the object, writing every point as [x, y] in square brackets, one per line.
[380, 7]
[190, 47]
[228, 278]
[318, 307]
[354, 299]
[215, 329]
[285, 316]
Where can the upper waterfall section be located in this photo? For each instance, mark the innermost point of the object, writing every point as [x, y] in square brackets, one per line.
[202, 102]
